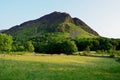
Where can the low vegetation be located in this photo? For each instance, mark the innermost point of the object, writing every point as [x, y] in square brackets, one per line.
[57, 67]
[58, 44]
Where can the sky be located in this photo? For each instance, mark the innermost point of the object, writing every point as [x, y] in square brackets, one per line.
[101, 15]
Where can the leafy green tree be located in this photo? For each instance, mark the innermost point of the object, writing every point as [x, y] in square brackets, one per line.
[118, 46]
[53, 47]
[88, 49]
[40, 47]
[69, 47]
[29, 46]
[82, 44]
[94, 45]
[114, 43]
[18, 46]
[5, 42]
[57, 47]
[105, 44]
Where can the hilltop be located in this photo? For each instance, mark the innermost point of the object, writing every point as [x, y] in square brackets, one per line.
[53, 24]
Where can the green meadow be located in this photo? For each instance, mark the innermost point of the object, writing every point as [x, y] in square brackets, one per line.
[58, 67]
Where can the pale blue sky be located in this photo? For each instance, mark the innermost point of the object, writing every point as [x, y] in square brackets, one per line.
[101, 15]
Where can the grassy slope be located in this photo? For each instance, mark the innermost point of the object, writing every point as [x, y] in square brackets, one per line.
[36, 29]
[28, 67]
[82, 33]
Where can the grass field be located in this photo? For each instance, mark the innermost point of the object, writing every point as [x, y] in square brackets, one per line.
[58, 67]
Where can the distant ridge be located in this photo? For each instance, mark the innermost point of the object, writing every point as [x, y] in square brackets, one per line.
[3, 30]
[84, 26]
[56, 22]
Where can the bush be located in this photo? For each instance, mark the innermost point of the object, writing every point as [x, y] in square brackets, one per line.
[112, 56]
[57, 47]
[118, 60]
[29, 46]
[5, 42]
[40, 47]
[53, 47]
[69, 47]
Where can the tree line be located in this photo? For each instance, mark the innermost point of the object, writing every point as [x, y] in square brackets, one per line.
[52, 45]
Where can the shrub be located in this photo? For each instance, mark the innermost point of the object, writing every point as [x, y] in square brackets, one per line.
[69, 47]
[5, 42]
[112, 56]
[29, 46]
[57, 47]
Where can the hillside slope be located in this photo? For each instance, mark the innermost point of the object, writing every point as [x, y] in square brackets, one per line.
[55, 23]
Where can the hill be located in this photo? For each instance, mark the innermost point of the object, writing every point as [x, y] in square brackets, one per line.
[55, 24]
[2, 30]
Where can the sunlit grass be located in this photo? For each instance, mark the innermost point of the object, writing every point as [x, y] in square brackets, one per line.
[57, 67]
[63, 59]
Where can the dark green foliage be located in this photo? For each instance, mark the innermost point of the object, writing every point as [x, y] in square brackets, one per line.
[118, 60]
[114, 43]
[69, 47]
[112, 56]
[18, 46]
[53, 47]
[104, 44]
[87, 49]
[118, 44]
[5, 42]
[56, 47]
[95, 44]
[22, 46]
[40, 47]
[29, 46]
[82, 44]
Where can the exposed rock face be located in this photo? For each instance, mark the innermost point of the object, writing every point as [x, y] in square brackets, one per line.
[84, 26]
[53, 17]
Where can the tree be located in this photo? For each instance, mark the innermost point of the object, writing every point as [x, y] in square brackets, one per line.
[68, 47]
[39, 47]
[29, 46]
[114, 43]
[57, 47]
[118, 46]
[82, 44]
[95, 45]
[88, 49]
[5, 42]
[105, 44]
[53, 47]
